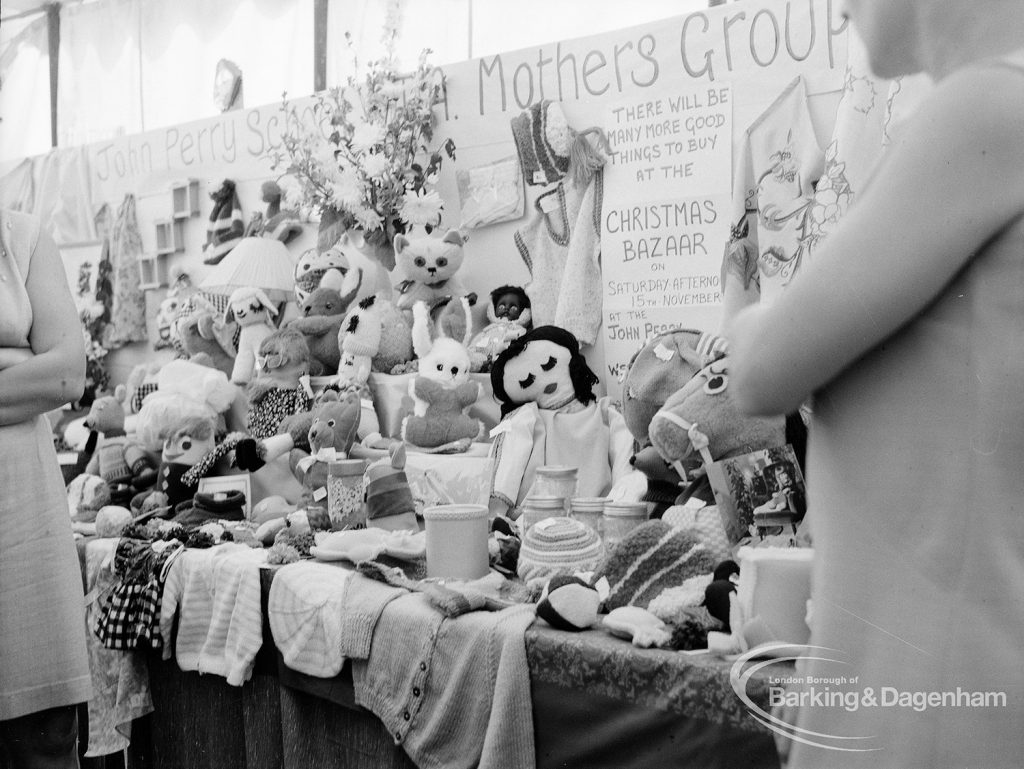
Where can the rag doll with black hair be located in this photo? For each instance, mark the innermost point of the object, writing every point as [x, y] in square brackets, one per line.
[551, 416]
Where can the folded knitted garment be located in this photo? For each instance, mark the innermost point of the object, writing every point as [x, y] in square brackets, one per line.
[221, 506]
[556, 546]
[652, 557]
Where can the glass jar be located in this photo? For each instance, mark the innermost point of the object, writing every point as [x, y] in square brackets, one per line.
[555, 481]
[536, 508]
[588, 510]
[345, 494]
[620, 518]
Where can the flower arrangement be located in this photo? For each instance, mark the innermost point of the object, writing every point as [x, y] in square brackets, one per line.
[94, 311]
[363, 161]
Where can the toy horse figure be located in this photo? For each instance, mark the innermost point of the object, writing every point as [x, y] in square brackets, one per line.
[701, 418]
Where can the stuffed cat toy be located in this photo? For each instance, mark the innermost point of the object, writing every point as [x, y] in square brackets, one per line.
[429, 265]
[442, 392]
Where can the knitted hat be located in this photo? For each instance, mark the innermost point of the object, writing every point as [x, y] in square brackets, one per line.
[549, 149]
[652, 557]
[226, 227]
[558, 546]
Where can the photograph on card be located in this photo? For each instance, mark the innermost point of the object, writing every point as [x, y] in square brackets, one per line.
[759, 494]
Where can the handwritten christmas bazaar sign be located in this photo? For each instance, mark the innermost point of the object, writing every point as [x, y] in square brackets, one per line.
[664, 222]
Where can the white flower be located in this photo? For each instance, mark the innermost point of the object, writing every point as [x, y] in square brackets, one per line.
[367, 136]
[421, 207]
[347, 193]
[369, 219]
[374, 165]
[291, 191]
[392, 89]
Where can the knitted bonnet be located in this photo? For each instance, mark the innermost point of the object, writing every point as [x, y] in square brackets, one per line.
[549, 149]
[652, 557]
[557, 546]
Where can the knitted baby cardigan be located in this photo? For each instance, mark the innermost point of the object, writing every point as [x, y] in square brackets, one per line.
[220, 624]
[562, 249]
[455, 693]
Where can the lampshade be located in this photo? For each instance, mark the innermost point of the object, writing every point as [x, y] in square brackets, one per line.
[258, 262]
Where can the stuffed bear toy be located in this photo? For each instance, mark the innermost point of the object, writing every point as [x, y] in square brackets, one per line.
[207, 334]
[323, 312]
[442, 391]
[429, 265]
[251, 309]
[551, 416]
[119, 461]
[331, 435]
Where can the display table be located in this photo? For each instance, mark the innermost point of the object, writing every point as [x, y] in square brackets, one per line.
[597, 702]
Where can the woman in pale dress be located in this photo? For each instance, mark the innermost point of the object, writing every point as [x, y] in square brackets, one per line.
[44, 670]
[908, 331]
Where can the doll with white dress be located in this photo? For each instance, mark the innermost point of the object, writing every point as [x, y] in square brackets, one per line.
[551, 416]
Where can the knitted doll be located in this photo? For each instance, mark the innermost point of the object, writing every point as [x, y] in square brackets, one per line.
[442, 392]
[276, 392]
[186, 445]
[510, 317]
[358, 341]
[283, 225]
[226, 226]
[550, 416]
[252, 310]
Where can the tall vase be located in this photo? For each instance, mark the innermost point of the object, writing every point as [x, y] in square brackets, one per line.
[378, 248]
